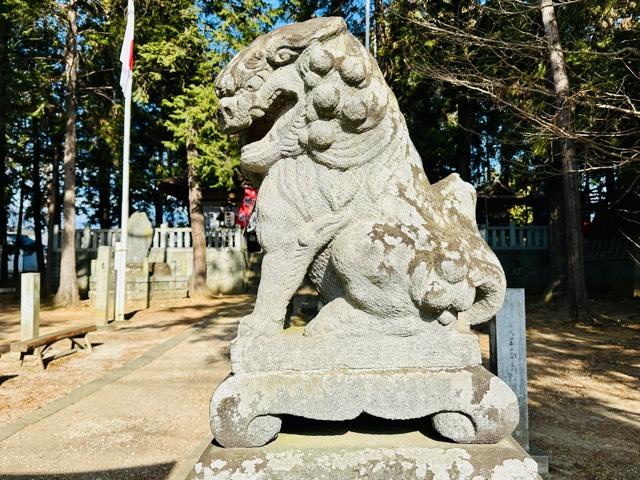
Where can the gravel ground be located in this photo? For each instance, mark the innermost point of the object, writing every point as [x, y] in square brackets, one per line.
[146, 422]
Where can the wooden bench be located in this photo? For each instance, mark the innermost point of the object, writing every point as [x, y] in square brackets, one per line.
[79, 337]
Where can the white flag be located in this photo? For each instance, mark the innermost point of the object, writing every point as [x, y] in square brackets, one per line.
[126, 54]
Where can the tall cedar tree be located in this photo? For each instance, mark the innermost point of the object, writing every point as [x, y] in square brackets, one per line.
[67, 293]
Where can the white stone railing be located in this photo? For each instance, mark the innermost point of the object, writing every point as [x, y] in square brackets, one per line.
[89, 239]
[165, 237]
[231, 238]
[508, 237]
[516, 237]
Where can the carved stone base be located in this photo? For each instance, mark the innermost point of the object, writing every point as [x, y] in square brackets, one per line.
[351, 455]
[467, 405]
[292, 351]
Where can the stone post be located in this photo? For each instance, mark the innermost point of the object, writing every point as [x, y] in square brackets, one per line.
[120, 266]
[103, 271]
[508, 359]
[512, 235]
[163, 240]
[29, 306]
[85, 241]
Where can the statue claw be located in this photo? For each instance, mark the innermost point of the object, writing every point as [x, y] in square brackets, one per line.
[253, 325]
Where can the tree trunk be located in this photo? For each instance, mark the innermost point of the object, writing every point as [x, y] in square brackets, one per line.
[158, 206]
[104, 186]
[36, 198]
[68, 288]
[17, 245]
[557, 244]
[53, 211]
[198, 286]
[576, 291]
[463, 138]
[5, 73]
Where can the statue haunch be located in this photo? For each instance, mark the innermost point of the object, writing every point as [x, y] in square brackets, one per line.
[344, 197]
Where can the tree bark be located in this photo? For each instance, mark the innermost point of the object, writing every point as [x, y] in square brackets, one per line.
[5, 73]
[557, 244]
[104, 186]
[36, 198]
[53, 210]
[17, 245]
[576, 291]
[68, 288]
[463, 138]
[158, 204]
[196, 215]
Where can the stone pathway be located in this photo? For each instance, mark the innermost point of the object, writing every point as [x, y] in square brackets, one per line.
[147, 419]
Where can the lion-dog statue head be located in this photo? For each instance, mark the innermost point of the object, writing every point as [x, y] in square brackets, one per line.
[344, 198]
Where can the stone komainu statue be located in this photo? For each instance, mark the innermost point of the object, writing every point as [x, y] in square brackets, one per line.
[400, 265]
[343, 194]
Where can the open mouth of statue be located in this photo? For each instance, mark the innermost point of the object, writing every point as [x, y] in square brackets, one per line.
[263, 121]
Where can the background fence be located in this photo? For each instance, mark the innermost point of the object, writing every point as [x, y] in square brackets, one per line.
[89, 239]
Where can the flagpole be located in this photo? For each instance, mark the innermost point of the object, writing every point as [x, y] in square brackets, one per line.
[121, 277]
[367, 14]
[121, 246]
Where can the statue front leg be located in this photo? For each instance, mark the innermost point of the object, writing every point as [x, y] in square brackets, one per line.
[282, 273]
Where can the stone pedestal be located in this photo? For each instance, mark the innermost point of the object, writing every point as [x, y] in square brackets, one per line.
[443, 347]
[435, 376]
[467, 405]
[355, 454]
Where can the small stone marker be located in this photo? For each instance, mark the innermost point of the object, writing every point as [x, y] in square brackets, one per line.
[103, 270]
[29, 306]
[508, 344]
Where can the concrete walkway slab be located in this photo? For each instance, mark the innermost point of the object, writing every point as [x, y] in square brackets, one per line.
[144, 420]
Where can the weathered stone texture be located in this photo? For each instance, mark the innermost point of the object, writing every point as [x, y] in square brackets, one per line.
[296, 352]
[400, 265]
[480, 408]
[343, 195]
[139, 237]
[351, 456]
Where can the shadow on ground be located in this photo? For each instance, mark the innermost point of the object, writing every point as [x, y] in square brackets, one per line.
[216, 312]
[584, 408]
[158, 471]
[4, 378]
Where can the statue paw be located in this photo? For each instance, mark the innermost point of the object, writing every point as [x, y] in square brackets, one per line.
[254, 325]
[455, 426]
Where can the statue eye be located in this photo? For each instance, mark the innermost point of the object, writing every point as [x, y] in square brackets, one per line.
[283, 56]
[254, 84]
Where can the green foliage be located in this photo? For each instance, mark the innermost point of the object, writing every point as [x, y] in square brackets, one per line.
[198, 53]
[193, 121]
[486, 117]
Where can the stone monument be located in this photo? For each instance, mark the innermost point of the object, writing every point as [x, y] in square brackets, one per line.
[139, 241]
[399, 263]
[139, 237]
